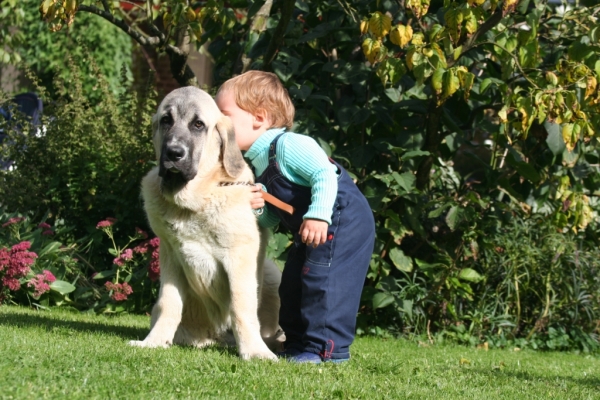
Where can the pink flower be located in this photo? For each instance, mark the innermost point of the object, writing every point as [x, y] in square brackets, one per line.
[127, 254]
[111, 220]
[41, 283]
[118, 261]
[120, 291]
[13, 220]
[154, 267]
[141, 233]
[15, 264]
[103, 224]
[44, 225]
[48, 233]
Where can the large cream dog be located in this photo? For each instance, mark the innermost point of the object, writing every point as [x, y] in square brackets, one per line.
[213, 273]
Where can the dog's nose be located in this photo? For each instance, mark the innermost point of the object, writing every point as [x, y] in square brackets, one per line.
[175, 153]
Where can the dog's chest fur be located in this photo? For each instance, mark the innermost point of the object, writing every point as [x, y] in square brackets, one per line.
[201, 234]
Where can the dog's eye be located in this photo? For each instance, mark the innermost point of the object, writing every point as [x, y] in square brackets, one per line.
[199, 124]
[166, 120]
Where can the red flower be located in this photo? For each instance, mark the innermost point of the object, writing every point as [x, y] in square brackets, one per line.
[44, 225]
[104, 224]
[41, 283]
[141, 233]
[15, 264]
[120, 291]
[48, 233]
[13, 220]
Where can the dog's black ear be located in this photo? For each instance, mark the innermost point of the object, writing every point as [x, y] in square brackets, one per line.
[233, 161]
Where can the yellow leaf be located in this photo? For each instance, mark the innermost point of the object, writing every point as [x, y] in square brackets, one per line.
[45, 6]
[450, 84]
[503, 115]
[551, 78]
[380, 24]
[364, 26]
[401, 35]
[591, 85]
[475, 2]
[190, 14]
[509, 6]
[409, 58]
[371, 48]
[418, 39]
[167, 19]
[464, 361]
[437, 80]
[471, 20]
[567, 134]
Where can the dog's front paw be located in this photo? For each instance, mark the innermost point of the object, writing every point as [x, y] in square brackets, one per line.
[263, 354]
[150, 345]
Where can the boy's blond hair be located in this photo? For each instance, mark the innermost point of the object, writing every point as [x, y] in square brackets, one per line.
[259, 90]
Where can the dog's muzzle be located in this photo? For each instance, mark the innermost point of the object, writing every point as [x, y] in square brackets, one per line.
[176, 166]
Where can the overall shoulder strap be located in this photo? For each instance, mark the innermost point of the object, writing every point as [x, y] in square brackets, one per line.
[273, 149]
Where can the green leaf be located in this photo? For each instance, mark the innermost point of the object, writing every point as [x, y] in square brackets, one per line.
[555, 141]
[382, 299]
[49, 248]
[484, 85]
[414, 153]
[468, 274]
[454, 217]
[104, 274]
[401, 260]
[405, 180]
[62, 287]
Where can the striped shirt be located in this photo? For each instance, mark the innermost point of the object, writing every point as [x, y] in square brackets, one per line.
[303, 162]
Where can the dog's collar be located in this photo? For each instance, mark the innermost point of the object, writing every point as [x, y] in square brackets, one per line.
[269, 198]
[235, 184]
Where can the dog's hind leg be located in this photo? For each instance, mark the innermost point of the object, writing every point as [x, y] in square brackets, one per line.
[268, 309]
[166, 314]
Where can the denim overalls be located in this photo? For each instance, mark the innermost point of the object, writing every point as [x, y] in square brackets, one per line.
[321, 287]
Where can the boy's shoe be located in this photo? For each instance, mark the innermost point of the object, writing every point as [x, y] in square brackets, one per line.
[305, 358]
[289, 352]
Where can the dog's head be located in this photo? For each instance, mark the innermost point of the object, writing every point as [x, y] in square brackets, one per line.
[192, 137]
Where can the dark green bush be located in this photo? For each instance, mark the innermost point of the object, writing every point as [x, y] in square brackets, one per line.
[87, 162]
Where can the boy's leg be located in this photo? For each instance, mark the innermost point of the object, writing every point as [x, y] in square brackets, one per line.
[332, 280]
[290, 294]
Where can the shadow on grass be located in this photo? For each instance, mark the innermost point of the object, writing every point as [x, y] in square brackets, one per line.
[52, 324]
[124, 332]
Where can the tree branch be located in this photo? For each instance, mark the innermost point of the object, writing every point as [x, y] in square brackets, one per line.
[287, 9]
[468, 42]
[137, 36]
[259, 24]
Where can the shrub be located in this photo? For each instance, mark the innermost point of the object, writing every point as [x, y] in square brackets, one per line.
[35, 268]
[86, 164]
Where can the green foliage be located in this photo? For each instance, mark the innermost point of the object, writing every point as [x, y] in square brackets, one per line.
[50, 255]
[85, 164]
[456, 118]
[24, 37]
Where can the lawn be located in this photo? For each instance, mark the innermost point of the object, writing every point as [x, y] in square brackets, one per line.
[64, 354]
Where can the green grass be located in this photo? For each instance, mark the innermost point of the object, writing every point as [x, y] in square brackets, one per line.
[63, 354]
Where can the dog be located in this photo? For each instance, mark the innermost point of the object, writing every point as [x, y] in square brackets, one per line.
[214, 276]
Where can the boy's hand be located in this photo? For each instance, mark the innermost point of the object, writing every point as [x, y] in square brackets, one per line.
[257, 200]
[313, 232]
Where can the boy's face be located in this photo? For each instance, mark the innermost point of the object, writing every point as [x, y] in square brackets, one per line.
[243, 121]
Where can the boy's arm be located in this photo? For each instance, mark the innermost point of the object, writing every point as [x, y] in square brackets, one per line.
[303, 157]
